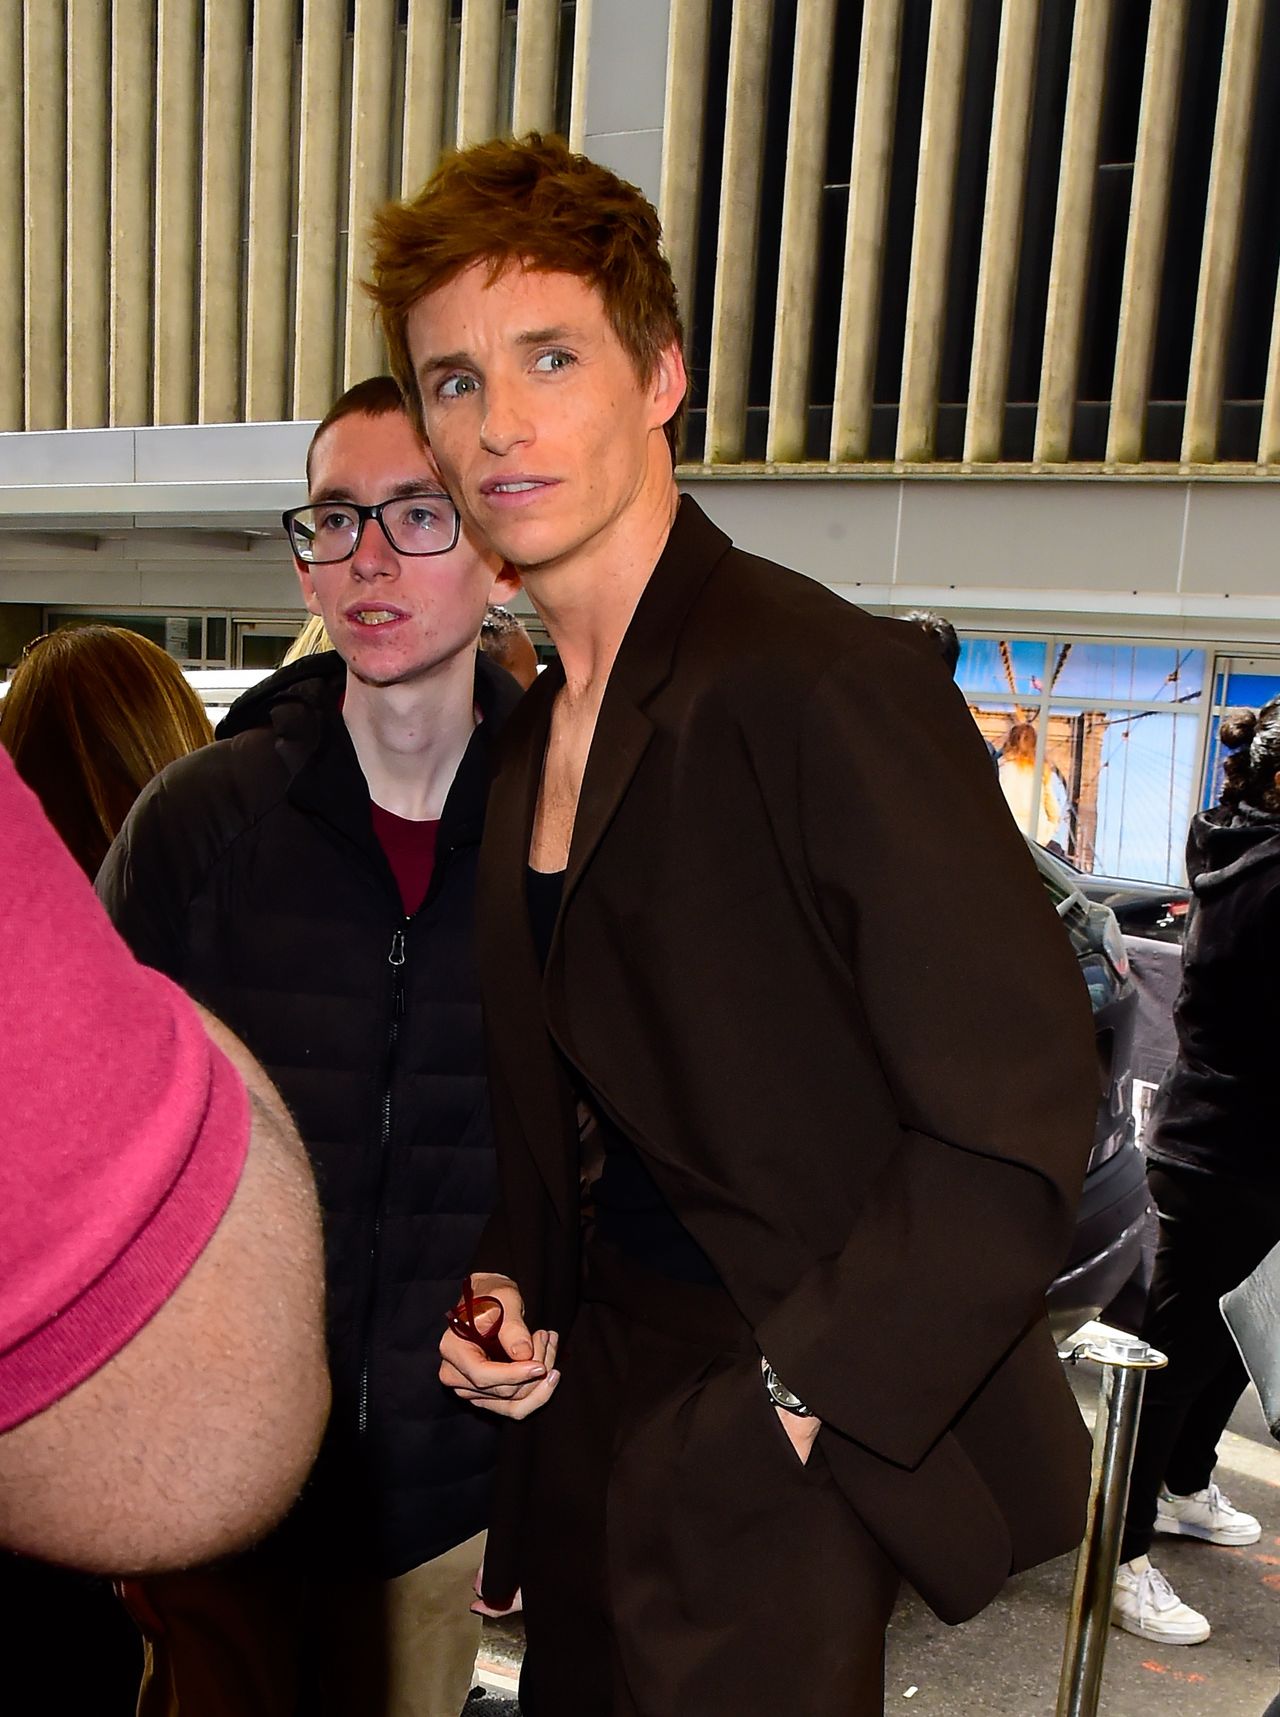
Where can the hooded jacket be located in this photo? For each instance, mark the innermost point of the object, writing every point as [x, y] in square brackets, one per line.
[1218, 1107]
[250, 873]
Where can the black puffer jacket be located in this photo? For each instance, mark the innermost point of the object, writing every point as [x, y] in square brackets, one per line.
[251, 874]
[1219, 1105]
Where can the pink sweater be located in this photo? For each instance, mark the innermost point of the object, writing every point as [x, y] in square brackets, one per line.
[122, 1130]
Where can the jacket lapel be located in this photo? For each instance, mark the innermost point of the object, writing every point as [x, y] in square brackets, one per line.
[644, 663]
[622, 735]
[515, 1002]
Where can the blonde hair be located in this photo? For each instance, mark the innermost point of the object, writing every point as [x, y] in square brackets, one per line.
[310, 641]
[92, 713]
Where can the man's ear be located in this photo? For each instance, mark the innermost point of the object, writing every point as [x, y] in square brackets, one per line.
[309, 597]
[669, 385]
[506, 585]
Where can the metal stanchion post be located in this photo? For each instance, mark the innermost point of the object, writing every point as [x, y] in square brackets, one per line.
[1125, 1360]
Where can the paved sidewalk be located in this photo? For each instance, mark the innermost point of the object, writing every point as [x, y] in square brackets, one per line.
[1005, 1663]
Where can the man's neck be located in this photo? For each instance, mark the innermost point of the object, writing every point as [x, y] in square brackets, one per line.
[587, 603]
[409, 739]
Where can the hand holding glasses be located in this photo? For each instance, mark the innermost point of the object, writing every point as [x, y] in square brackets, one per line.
[461, 1319]
[326, 532]
[493, 1378]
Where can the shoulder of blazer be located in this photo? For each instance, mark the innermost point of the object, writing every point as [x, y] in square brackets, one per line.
[756, 623]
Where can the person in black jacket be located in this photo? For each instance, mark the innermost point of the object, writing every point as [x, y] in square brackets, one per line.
[803, 1302]
[310, 880]
[1215, 1176]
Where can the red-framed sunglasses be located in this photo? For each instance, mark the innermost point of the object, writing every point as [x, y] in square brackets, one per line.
[461, 1319]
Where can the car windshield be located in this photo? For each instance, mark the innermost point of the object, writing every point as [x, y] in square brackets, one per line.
[1059, 879]
[1102, 877]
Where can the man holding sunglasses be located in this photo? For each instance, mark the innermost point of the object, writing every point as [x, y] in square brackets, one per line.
[310, 880]
[802, 1347]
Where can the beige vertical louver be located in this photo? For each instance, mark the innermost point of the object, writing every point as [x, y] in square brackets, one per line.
[185, 188]
[903, 171]
[869, 172]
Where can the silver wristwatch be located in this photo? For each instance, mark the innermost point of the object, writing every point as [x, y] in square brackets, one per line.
[781, 1396]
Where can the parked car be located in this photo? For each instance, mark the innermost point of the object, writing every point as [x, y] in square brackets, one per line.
[1154, 910]
[1107, 1253]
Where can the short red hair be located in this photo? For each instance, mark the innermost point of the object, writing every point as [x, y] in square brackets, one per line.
[533, 203]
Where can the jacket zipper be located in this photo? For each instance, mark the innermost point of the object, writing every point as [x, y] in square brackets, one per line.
[396, 959]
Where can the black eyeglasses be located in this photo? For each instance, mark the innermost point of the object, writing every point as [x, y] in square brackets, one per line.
[329, 531]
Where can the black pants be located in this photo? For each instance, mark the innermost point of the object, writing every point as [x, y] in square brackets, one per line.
[680, 1557]
[1213, 1231]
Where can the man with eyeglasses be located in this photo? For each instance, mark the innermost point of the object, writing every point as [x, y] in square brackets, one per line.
[310, 880]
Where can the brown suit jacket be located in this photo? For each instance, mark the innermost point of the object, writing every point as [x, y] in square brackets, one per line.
[806, 962]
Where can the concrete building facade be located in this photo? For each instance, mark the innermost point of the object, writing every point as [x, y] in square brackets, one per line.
[1149, 560]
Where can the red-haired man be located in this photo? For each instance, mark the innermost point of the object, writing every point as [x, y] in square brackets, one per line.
[807, 1352]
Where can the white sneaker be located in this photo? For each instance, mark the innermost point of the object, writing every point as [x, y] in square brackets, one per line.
[1144, 1603]
[1206, 1514]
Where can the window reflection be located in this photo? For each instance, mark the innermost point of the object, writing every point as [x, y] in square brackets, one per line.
[1035, 791]
[1131, 792]
[1012, 665]
[1095, 744]
[1132, 673]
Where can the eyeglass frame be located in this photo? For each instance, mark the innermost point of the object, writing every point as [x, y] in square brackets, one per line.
[364, 515]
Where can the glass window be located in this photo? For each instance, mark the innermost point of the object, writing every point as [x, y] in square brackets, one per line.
[1097, 743]
[1132, 673]
[1129, 777]
[1248, 684]
[1211, 789]
[1012, 665]
[994, 721]
[180, 635]
[150, 626]
[183, 639]
[1034, 785]
[262, 643]
[263, 650]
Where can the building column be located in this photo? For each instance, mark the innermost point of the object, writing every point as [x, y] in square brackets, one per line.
[626, 85]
